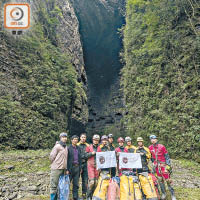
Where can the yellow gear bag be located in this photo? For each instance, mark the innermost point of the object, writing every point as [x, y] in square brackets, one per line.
[147, 185]
[129, 190]
[100, 192]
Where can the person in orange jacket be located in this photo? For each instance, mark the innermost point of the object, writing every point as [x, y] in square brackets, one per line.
[130, 147]
[120, 148]
[93, 173]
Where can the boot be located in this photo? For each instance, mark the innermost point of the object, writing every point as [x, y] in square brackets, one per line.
[84, 196]
[162, 187]
[172, 192]
[53, 196]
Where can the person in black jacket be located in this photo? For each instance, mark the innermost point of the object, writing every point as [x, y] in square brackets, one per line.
[84, 174]
[74, 164]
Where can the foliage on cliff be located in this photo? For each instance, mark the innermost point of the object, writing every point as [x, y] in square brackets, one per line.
[38, 84]
[161, 76]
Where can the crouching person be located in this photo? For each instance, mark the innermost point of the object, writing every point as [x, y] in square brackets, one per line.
[58, 157]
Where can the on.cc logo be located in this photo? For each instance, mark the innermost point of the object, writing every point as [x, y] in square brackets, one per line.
[17, 16]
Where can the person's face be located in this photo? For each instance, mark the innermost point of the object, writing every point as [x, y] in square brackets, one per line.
[104, 142]
[140, 144]
[121, 144]
[110, 140]
[95, 142]
[75, 141]
[154, 141]
[83, 138]
[129, 143]
[63, 139]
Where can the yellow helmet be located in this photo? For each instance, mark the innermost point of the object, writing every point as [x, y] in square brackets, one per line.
[140, 139]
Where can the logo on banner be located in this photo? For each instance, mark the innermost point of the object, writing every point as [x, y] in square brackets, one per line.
[106, 159]
[130, 160]
[101, 160]
[125, 160]
[17, 16]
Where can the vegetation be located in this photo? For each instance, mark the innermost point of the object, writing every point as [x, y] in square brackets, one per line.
[40, 89]
[161, 76]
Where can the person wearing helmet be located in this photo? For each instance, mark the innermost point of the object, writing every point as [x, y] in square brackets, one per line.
[84, 174]
[104, 144]
[129, 146]
[112, 148]
[103, 147]
[120, 148]
[144, 171]
[145, 155]
[93, 173]
[162, 165]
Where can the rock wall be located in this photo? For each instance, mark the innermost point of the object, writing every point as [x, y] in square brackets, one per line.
[66, 40]
[100, 21]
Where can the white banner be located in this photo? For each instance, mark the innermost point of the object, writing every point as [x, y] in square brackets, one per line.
[106, 159]
[129, 160]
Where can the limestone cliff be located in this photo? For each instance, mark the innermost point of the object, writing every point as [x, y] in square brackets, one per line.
[43, 84]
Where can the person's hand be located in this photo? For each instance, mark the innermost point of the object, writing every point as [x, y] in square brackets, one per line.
[141, 153]
[93, 153]
[169, 168]
[117, 153]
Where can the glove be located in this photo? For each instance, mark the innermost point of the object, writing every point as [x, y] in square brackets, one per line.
[169, 168]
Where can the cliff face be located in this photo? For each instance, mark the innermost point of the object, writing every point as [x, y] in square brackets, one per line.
[44, 88]
[43, 82]
[99, 23]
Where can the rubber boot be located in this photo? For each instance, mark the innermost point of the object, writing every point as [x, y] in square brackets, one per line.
[163, 190]
[84, 196]
[172, 192]
[53, 196]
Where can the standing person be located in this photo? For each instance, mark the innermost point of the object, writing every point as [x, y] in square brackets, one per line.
[84, 173]
[103, 147]
[58, 158]
[93, 173]
[120, 148]
[129, 147]
[162, 165]
[145, 155]
[74, 165]
[148, 189]
[112, 148]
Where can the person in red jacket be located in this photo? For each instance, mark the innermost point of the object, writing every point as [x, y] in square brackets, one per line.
[103, 147]
[93, 173]
[162, 165]
[120, 148]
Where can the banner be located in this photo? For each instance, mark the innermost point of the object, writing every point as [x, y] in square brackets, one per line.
[129, 160]
[106, 159]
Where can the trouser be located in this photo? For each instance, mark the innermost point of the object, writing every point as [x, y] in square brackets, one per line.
[84, 177]
[169, 184]
[54, 178]
[74, 177]
[92, 184]
[113, 171]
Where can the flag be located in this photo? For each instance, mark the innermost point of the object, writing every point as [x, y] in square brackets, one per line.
[129, 160]
[106, 159]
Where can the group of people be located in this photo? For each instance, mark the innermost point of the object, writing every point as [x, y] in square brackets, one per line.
[79, 160]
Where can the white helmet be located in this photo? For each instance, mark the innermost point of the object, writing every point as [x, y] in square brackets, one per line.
[96, 137]
[127, 139]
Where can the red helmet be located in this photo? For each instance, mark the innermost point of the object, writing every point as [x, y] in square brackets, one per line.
[120, 139]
